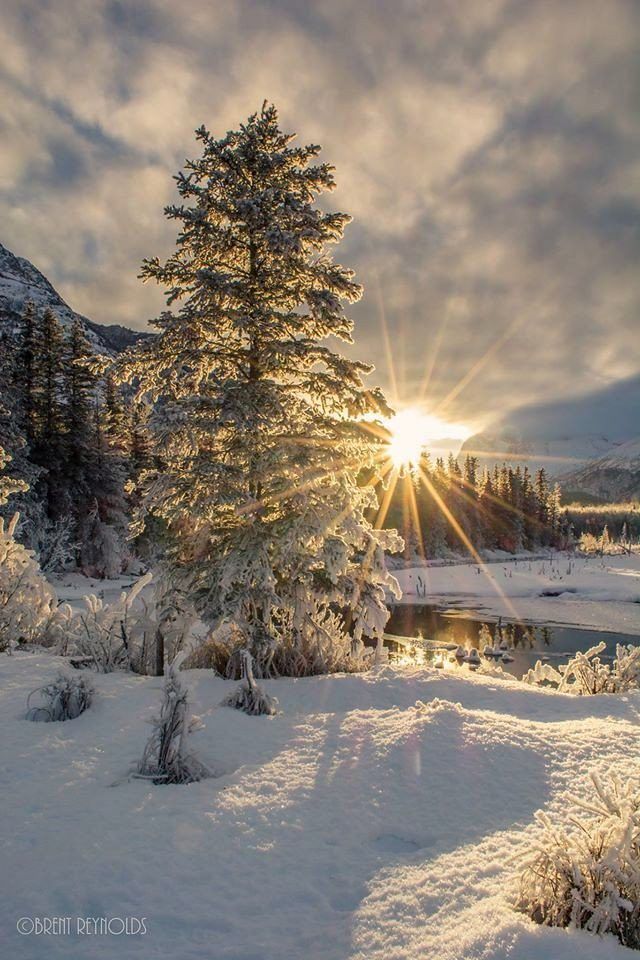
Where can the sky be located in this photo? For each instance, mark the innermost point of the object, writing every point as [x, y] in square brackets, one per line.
[488, 151]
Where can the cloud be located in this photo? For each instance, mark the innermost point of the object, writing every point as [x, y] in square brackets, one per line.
[488, 153]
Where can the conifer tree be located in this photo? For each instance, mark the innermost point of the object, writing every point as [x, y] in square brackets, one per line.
[79, 387]
[48, 442]
[104, 523]
[116, 417]
[24, 375]
[257, 421]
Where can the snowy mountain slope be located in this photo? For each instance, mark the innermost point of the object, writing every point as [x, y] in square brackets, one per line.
[615, 476]
[562, 435]
[356, 824]
[20, 281]
[555, 454]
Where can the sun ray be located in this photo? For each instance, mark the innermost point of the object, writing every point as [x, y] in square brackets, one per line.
[413, 505]
[305, 481]
[434, 352]
[467, 543]
[479, 365]
[384, 329]
[386, 499]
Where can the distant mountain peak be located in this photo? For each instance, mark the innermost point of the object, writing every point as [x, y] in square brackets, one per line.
[21, 281]
[615, 476]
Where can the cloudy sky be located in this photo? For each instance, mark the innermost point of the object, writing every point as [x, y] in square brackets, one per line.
[488, 151]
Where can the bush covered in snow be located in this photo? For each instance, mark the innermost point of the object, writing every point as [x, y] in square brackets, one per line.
[27, 601]
[103, 633]
[166, 757]
[588, 875]
[315, 644]
[586, 674]
[65, 698]
[248, 695]
[604, 545]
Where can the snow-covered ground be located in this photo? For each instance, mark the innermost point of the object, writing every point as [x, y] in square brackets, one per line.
[352, 826]
[601, 593]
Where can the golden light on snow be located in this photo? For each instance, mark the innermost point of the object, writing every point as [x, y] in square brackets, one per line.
[412, 431]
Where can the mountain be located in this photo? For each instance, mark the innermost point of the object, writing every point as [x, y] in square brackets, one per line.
[563, 436]
[21, 281]
[614, 477]
[555, 454]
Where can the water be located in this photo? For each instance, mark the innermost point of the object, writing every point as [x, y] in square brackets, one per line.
[527, 642]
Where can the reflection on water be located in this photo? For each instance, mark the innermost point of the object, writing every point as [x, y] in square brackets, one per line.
[517, 645]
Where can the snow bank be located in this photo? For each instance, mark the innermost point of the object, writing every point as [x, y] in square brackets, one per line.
[351, 826]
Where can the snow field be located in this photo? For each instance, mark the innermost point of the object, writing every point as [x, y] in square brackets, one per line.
[603, 594]
[352, 826]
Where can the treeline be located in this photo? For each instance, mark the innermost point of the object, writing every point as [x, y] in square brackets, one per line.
[76, 443]
[445, 506]
[622, 520]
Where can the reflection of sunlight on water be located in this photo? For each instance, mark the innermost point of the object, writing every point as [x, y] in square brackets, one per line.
[455, 642]
[424, 634]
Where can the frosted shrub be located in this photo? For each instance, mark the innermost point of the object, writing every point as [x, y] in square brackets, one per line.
[307, 643]
[65, 698]
[586, 674]
[159, 627]
[166, 757]
[588, 875]
[602, 546]
[103, 633]
[27, 601]
[51, 541]
[311, 640]
[248, 695]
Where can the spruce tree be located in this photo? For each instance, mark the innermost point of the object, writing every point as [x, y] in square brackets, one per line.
[103, 531]
[48, 430]
[24, 375]
[259, 424]
[79, 388]
[117, 425]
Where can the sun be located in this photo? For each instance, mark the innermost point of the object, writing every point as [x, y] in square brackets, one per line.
[411, 432]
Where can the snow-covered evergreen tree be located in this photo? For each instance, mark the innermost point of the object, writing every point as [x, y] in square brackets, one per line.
[24, 371]
[79, 390]
[259, 425]
[48, 440]
[103, 531]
